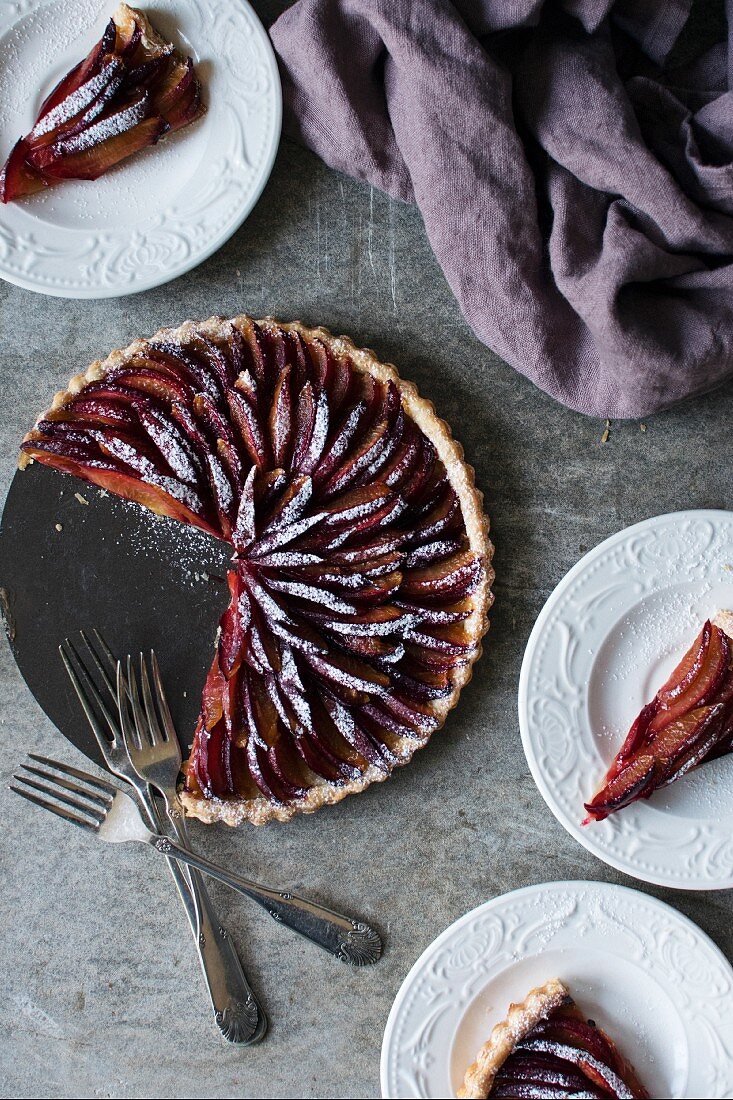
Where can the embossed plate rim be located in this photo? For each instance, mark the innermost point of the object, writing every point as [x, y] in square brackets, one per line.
[587, 894]
[107, 261]
[590, 837]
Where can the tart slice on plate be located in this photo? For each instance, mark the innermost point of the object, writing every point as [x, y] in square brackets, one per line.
[546, 1048]
[688, 723]
[361, 564]
[130, 90]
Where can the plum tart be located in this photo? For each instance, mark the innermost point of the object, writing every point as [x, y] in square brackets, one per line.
[129, 91]
[688, 722]
[546, 1048]
[361, 569]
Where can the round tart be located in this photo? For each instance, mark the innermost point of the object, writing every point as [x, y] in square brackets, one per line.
[361, 568]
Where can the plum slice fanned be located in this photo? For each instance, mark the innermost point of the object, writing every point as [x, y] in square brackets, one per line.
[129, 91]
[688, 723]
[361, 568]
[546, 1048]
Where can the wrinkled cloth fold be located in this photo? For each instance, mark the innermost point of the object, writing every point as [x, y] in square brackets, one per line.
[576, 188]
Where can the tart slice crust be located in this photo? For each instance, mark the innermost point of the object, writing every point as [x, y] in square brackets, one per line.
[520, 1019]
[586, 1060]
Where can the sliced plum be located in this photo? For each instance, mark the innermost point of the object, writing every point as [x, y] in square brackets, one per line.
[684, 725]
[18, 178]
[92, 119]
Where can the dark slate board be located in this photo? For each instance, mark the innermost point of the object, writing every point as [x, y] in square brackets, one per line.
[113, 566]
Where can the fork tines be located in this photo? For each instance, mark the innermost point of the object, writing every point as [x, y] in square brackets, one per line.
[89, 796]
[147, 728]
[82, 670]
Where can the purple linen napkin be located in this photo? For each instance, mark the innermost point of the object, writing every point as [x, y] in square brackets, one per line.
[578, 196]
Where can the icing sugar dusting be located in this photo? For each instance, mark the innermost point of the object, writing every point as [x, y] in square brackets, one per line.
[195, 556]
[74, 103]
[109, 127]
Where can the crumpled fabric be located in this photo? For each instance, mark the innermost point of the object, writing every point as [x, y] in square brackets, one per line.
[576, 188]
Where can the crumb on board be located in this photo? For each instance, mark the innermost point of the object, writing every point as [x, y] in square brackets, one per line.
[81, 499]
[59, 526]
[642, 427]
[606, 432]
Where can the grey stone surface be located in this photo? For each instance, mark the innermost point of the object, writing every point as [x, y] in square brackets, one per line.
[100, 993]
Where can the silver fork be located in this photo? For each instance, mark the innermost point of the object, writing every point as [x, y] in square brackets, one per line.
[153, 752]
[105, 810]
[237, 1012]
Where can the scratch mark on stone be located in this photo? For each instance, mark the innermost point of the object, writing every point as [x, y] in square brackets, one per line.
[356, 233]
[370, 230]
[392, 267]
[322, 252]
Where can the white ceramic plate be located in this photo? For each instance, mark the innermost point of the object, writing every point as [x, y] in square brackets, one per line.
[168, 208]
[642, 971]
[605, 641]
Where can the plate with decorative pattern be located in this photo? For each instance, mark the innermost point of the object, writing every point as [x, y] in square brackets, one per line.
[646, 974]
[607, 638]
[166, 209]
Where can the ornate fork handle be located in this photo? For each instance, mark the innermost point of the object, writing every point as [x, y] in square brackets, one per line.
[236, 1011]
[349, 940]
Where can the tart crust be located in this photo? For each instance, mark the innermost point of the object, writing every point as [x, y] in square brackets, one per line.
[259, 810]
[519, 1021]
[724, 620]
[126, 17]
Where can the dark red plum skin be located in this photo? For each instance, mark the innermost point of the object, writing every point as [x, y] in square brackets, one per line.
[688, 723]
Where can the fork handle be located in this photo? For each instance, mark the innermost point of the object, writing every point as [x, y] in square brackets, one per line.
[238, 1015]
[349, 940]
